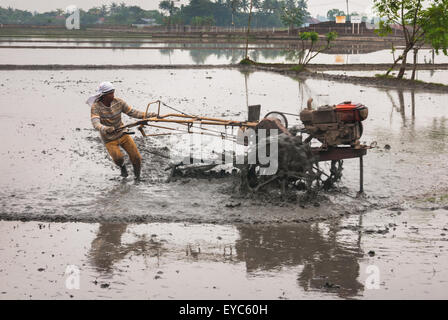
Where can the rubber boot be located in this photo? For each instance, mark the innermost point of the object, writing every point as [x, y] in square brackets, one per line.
[137, 170]
[124, 171]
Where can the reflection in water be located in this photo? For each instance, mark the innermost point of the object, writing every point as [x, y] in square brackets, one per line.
[107, 248]
[328, 264]
[231, 55]
[289, 53]
[436, 131]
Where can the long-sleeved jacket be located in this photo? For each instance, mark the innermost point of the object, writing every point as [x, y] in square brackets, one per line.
[103, 117]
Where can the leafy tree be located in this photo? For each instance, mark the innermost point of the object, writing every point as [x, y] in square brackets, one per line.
[103, 10]
[203, 21]
[113, 7]
[331, 14]
[244, 5]
[270, 6]
[168, 5]
[419, 25]
[294, 13]
[257, 4]
[308, 50]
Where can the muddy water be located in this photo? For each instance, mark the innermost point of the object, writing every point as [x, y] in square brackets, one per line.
[136, 44]
[173, 55]
[403, 252]
[55, 168]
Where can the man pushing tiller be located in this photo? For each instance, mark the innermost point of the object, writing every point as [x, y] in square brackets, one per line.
[106, 112]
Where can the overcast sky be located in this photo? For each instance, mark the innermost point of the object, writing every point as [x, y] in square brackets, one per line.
[314, 6]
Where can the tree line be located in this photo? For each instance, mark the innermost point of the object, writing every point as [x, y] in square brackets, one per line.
[265, 13]
[115, 14]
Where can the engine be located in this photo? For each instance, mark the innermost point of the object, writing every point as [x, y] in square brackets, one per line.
[335, 125]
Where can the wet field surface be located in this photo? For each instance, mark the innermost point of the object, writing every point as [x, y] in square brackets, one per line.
[405, 251]
[155, 239]
[78, 51]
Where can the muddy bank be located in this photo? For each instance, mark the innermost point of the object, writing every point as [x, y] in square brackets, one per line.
[263, 34]
[380, 82]
[270, 67]
[404, 84]
[112, 66]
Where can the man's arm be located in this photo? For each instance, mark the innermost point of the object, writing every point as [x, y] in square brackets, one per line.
[136, 113]
[95, 118]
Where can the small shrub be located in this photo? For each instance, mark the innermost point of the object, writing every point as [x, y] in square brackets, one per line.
[246, 61]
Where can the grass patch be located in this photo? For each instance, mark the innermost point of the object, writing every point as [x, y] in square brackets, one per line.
[298, 68]
[384, 76]
[246, 62]
[436, 199]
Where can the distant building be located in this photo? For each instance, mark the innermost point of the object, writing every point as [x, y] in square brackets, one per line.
[146, 22]
[341, 28]
[311, 20]
[321, 18]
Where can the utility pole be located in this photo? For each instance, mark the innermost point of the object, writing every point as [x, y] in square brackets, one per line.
[348, 14]
[248, 30]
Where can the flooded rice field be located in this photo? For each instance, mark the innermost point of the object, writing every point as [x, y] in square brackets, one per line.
[325, 260]
[78, 51]
[157, 239]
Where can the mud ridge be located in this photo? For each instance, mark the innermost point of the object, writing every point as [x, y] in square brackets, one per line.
[367, 81]
[282, 68]
[110, 66]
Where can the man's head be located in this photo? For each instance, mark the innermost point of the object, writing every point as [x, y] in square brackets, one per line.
[107, 97]
[105, 93]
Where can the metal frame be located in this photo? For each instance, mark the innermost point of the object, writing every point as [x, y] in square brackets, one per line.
[327, 154]
[341, 153]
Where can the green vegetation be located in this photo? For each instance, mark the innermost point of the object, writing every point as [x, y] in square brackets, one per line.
[203, 21]
[331, 14]
[246, 61]
[294, 13]
[109, 15]
[385, 76]
[298, 68]
[389, 76]
[420, 25]
[443, 198]
[308, 49]
[265, 13]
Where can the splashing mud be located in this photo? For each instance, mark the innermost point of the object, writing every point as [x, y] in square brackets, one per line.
[55, 168]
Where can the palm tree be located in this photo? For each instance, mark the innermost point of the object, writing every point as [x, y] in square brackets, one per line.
[168, 5]
[103, 10]
[113, 7]
[244, 4]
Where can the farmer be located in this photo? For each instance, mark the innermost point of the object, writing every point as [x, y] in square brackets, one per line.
[106, 118]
